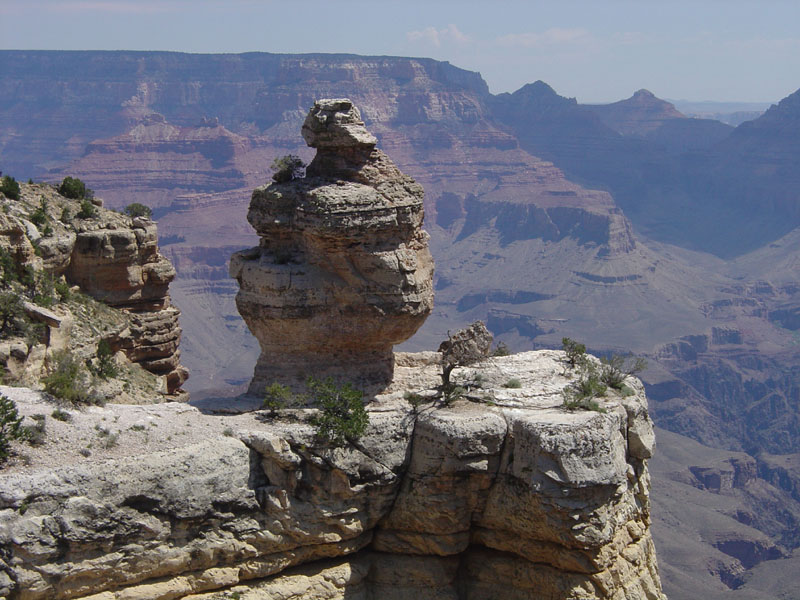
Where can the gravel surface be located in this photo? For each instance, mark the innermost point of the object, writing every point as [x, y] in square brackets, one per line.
[94, 433]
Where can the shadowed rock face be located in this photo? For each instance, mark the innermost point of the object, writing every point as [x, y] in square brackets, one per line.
[342, 271]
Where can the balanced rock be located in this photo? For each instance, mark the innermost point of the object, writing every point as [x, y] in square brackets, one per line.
[342, 271]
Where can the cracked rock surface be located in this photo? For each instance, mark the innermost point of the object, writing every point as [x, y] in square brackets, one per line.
[501, 494]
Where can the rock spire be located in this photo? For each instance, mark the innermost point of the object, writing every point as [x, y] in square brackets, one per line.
[342, 271]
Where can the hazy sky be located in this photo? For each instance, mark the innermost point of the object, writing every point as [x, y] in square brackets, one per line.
[597, 51]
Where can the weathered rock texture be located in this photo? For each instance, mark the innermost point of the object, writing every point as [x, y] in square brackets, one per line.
[502, 495]
[343, 271]
[112, 258]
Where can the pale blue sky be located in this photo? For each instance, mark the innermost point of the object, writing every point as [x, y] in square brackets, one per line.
[597, 51]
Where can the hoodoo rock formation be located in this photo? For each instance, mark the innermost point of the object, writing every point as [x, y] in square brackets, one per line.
[343, 271]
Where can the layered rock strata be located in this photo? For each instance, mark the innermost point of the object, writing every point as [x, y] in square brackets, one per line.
[342, 271]
[110, 257]
[502, 494]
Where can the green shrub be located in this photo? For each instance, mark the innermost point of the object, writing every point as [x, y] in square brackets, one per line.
[276, 397]
[62, 289]
[10, 426]
[576, 352]
[501, 350]
[9, 187]
[65, 381]
[616, 368]
[44, 292]
[66, 215]
[582, 392]
[8, 267]
[36, 433]
[106, 367]
[342, 417]
[12, 313]
[39, 216]
[87, 211]
[61, 415]
[72, 187]
[513, 383]
[138, 210]
[286, 168]
[415, 400]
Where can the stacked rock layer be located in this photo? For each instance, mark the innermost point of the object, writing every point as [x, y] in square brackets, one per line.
[505, 495]
[342, 271]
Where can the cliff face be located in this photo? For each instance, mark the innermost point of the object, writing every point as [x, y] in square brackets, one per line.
[108, 256]
[503, 493]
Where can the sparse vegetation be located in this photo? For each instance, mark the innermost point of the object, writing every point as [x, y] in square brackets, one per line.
[616, 368]
[286, 168]
[415, 400]
[138, 209]
[61, 415]
[10, 426]
[276, 397]
[513, 383]
[9, 187]
[342, 418]
[583, 392]
[39, 216]
[87, 211]
[36, 433]
[501, 350]
[66, 381]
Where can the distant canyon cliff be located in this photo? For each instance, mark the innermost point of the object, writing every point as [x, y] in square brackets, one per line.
[627, 226]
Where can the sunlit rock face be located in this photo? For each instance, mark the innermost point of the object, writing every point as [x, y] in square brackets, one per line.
[343, 271]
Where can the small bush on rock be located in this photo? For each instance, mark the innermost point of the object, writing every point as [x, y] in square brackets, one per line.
[138, 210]
[10, 426]
[286, 168]
[616, 368]
[276, 397]
[342, 417]
[583, 392]
[72, 187]
[87, 211]
[66, 379]
[9, 187]
[576, 352]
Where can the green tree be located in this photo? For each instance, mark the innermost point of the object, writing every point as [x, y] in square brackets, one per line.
[342, 417]
[286, 168]
[9, 187]
[10, 426]
[576, 352]
[72, 187]
[138, 209]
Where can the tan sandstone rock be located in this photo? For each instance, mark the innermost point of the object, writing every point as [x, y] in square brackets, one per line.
[343, 271]
[504, 494]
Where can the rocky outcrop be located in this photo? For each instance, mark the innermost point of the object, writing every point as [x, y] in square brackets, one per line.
[503, 493]
[110, 257]
[343, 271]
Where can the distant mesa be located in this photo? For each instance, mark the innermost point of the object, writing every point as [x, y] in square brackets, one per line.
[343, 271]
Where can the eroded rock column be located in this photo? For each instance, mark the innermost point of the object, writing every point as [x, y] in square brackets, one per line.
[343, 271]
